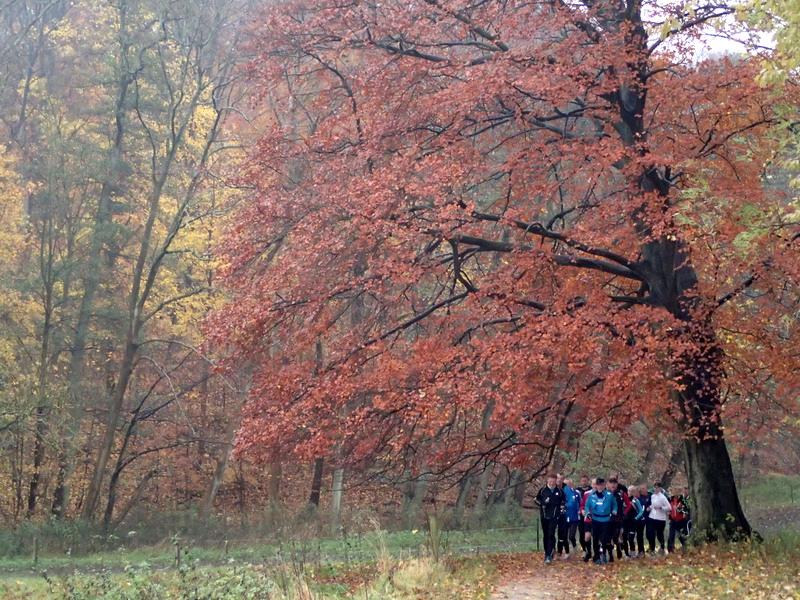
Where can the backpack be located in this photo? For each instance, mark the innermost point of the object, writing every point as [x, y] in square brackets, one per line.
[677, 509]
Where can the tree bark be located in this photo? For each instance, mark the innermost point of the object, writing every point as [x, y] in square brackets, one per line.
[415, 490]
[671, 281]
[316, 482]
[274, 485]
[337, 490]
[673, 466]
[464, 492]
[716, 510]
[478, 510]
[216, 481]
[222, 460]
[90, 287]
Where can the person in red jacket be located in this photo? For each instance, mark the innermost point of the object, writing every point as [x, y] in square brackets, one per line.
[679, 519]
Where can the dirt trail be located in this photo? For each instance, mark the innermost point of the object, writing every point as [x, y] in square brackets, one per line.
[535, 588]
[524, 577]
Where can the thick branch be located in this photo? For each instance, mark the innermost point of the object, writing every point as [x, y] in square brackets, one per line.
[560, 259]
[540, 230]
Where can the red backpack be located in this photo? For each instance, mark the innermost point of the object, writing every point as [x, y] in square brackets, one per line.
[678, 510]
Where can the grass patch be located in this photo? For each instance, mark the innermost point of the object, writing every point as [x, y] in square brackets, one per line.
[774, 491]
[754, 571]
[349, 550]
[410, 579]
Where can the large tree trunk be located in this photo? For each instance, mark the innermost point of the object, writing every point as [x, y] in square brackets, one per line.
[672, 283]
[716, 510]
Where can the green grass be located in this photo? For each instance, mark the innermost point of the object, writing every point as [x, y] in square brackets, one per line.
[348, 550]
[774, 491]
[408, 579]
[386, 563]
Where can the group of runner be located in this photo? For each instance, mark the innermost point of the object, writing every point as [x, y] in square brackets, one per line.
[605, 517]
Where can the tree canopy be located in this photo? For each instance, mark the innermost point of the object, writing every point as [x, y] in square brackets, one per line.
[481, 227]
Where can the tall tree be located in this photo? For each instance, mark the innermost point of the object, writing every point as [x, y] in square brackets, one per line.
[115, 110]
[617, 180]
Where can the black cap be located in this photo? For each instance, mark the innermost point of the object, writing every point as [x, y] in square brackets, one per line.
[657, 484]
[600, 480]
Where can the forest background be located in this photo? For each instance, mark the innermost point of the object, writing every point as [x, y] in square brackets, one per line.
[139, 138]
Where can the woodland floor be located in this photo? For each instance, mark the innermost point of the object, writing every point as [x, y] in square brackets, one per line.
[770, 572]
[524, 577]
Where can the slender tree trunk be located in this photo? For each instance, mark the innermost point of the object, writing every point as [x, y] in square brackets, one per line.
[274, 486]
[675, 461]
[216, 481]
[478, 510]
[337, 490]
[42, 426]
[316, 482]
[415, 490]
[222, 460]
[134, 498]
[91, 284]
[119, 466]
[509, 493]
[519, 491]
[464, 491]
[500, 484]
[112, 420]
[38, 458]
[649, 456]
[274, 507]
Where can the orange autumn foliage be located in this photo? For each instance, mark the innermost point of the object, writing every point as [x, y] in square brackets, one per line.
[481, 225]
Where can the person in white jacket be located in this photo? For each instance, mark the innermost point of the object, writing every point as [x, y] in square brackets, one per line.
[657, 515]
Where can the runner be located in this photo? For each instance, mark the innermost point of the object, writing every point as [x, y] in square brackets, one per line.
[601, 506]
[617, 522]
[562, 521]
[573, 498]
[657, 518]
[584, 531]
[635, 523]
[679, 519]
[550, 498]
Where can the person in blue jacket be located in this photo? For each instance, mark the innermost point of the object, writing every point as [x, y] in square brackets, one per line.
[572, 506]
[636, 523]
[602, 507]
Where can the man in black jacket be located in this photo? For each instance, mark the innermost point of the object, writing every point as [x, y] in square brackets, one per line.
[551, 500]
